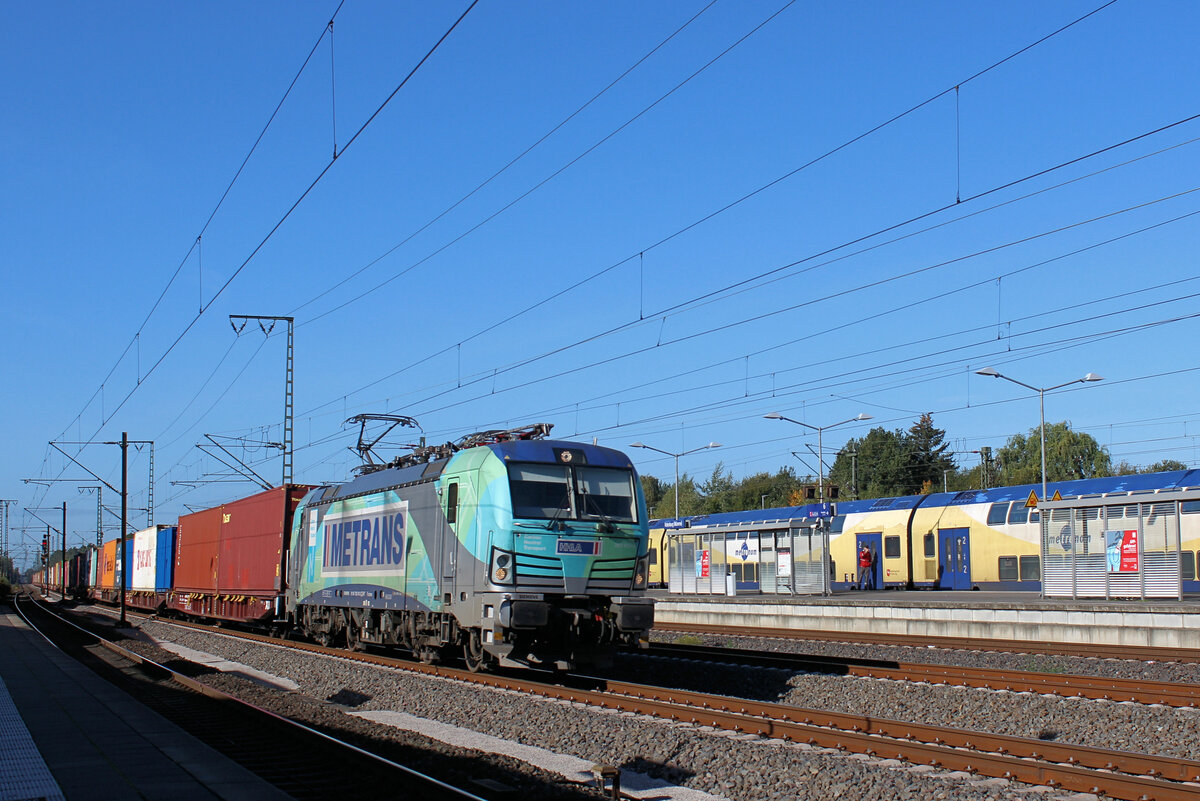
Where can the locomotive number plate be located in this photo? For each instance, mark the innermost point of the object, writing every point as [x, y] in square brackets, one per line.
[578, 547]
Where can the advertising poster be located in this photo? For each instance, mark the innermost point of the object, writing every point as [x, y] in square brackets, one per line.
[783, 565]
[1121, 548]
[703, 564]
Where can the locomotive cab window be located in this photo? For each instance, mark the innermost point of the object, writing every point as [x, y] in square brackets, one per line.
[581, 492]
[605, 493]
[540, 491]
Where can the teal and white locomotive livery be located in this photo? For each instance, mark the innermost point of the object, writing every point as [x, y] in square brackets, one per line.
[513, 549]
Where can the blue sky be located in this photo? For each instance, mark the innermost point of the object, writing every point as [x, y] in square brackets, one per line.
[593, 283]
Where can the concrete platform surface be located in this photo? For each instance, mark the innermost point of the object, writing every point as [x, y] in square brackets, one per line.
[79, 738]
[981, 615]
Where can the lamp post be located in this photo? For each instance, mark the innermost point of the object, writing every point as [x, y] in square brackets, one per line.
[820, 443]
[825, 556]
[676, 455]
[1041, 391]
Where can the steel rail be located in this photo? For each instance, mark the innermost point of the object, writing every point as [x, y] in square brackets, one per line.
[1064, 684]
[212, 692]
[1078, 768]
[1139, 653]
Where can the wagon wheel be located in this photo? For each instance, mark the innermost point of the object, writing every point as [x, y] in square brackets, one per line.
[473, 653]
[353, 639]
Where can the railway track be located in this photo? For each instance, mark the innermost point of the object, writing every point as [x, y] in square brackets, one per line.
[1115, 774]
[302, 761]
[1067, 685]
[1136, 653]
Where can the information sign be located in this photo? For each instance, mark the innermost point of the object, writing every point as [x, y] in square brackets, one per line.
[819, 510]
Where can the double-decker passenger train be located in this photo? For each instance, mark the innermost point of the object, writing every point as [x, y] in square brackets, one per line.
[975, 539]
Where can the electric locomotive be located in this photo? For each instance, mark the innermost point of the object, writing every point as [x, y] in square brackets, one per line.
[512, 548]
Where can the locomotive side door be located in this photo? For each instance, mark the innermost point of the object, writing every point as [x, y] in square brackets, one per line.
[458, 516]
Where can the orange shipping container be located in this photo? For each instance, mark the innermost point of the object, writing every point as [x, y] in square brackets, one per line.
[108, 566]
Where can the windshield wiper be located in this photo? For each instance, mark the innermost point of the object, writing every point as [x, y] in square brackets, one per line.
[562, 507]
[589, 501]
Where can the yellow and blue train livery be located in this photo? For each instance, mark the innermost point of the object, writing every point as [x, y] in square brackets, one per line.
[976, 539]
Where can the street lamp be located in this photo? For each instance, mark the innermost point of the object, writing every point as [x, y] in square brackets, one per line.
[1090, 377]
[820, 444]
[676, 455]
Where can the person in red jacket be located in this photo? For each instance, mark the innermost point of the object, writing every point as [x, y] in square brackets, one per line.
[864, 566]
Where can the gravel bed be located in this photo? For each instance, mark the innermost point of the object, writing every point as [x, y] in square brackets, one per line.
[739, 767]
[1179, 672]
[1153, 729]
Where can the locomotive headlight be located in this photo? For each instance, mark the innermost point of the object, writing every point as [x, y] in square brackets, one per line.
[640, 571]
[502, 567]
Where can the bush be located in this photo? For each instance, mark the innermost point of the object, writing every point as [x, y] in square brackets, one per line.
[5, 589]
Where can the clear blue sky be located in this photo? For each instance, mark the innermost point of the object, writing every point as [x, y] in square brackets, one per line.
[125, 123]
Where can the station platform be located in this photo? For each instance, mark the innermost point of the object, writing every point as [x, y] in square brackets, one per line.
[68, 735]
[928, 613]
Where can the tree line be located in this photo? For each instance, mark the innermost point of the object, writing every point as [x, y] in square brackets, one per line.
[887, 463]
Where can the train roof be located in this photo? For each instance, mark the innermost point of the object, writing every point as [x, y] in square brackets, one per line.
[1138, 483]
[547, 451]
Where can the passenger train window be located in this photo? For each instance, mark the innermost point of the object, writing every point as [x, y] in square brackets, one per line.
[1018, 514]
[929, 546]
[998, 514]
[1189, 507]
[891, 547]
[1035, 516]
[1008, 568]
[1188, 565]
[1031, 568]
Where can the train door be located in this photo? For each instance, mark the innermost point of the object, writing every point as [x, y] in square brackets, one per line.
[873, 542]
[954, 559]
[448, 525]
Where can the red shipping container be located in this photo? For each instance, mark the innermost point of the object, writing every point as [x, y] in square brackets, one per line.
[196, 551]
[254, 535]
[229, 560]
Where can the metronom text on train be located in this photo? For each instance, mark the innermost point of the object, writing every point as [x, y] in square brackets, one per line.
[977, 539]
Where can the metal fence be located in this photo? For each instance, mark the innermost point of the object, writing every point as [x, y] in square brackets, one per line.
[786, 557]
[1119, 546]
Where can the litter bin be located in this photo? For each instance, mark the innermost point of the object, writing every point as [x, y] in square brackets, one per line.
[730, 585]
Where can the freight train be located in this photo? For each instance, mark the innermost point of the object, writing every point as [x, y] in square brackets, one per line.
[507, 547]
[976, 539]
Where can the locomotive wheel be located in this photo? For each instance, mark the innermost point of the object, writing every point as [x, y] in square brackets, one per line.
[473, 653]
[353, 640]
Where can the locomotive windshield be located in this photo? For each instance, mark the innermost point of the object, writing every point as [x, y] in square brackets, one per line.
[565, 492]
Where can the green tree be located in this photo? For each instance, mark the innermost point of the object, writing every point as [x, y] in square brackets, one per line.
[690, 500]
[654, 489]
[1069, 455]
[719, 492]
[1163, 465]
[882, 464]
[928, 459]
